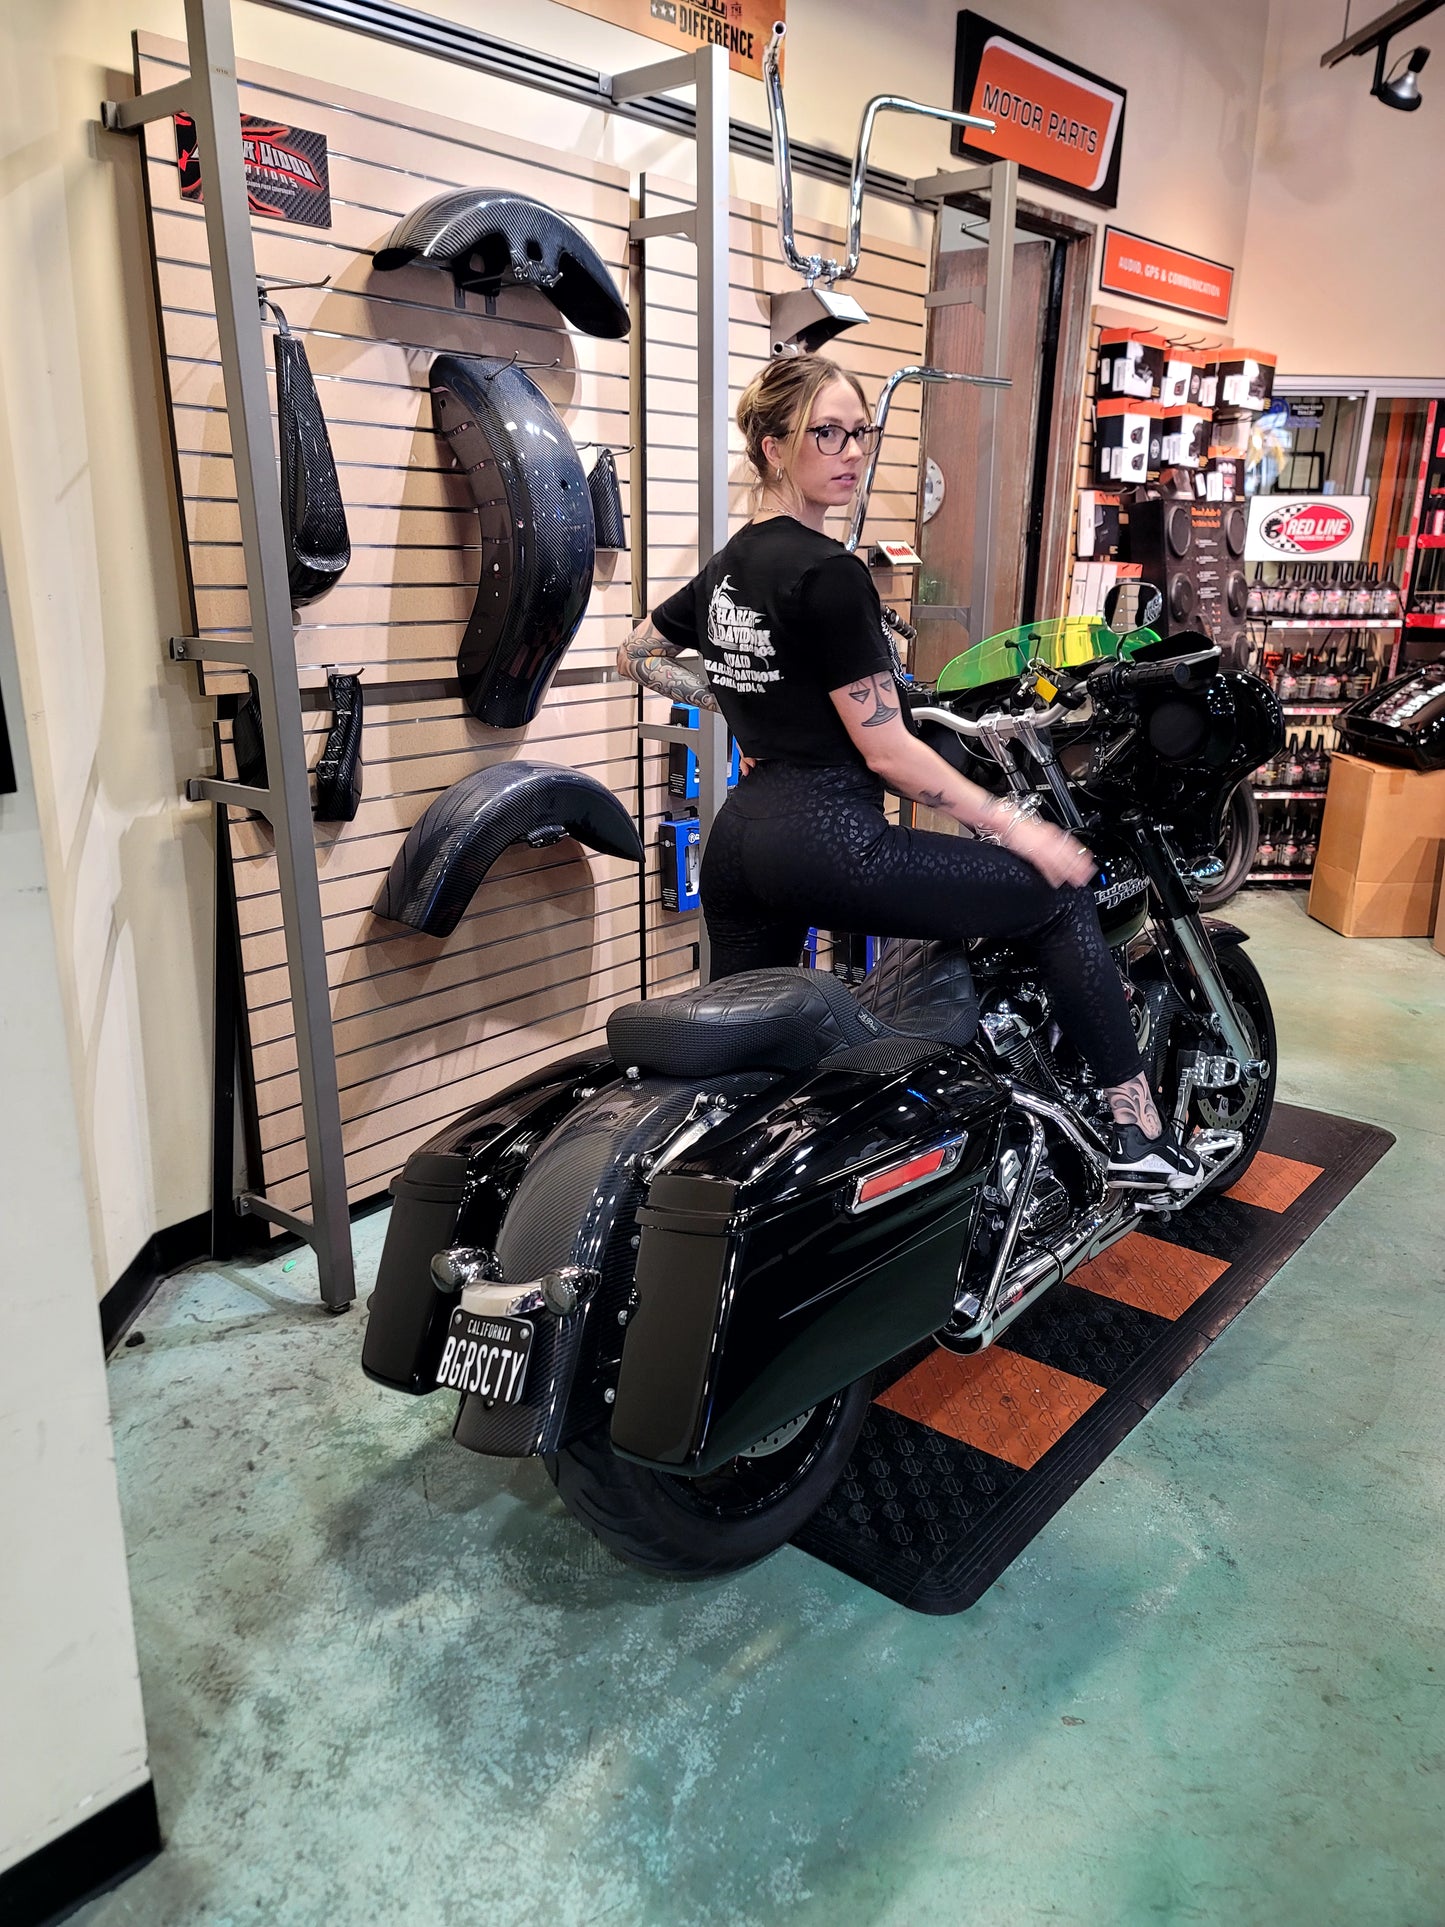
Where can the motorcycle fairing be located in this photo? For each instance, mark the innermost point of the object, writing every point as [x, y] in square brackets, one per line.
[488, 240]
[537, 541]
[459, 836]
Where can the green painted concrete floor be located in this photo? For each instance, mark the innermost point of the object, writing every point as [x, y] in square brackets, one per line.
[390, 1683]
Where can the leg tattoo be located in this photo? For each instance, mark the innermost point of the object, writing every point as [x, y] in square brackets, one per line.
[1133, 1103]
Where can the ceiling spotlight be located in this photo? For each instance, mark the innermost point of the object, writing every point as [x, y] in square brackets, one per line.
[1401, 90]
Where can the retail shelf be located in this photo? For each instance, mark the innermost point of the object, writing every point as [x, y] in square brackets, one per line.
[1329, 622]
[1290, 796]
[1426, 619]
[1279, 876]
[1421, 541]
[1311, 709]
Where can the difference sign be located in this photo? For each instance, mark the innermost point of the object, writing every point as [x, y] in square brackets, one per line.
[742, 27]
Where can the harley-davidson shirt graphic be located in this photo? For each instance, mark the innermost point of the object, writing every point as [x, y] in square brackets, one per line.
[781, 616]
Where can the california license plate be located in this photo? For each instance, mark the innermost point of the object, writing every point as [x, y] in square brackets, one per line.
[487, 1356]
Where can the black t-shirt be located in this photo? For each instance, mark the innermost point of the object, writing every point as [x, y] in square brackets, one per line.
[782, 615]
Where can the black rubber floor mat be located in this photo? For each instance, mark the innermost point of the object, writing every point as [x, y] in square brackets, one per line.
[963, 1460]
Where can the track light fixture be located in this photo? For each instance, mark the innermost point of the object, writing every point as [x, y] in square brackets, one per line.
[1400, 90]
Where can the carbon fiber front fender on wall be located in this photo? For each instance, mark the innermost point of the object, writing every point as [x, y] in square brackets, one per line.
[537, 540]
[488, 240]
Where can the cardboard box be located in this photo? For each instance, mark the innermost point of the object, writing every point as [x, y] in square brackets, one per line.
[1131, 362]
[1098, 525]
[1439, 937]
[1185, 433]
[1127, 441]
[1382, 848]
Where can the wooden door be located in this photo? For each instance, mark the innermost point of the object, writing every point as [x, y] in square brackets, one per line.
[950, 437]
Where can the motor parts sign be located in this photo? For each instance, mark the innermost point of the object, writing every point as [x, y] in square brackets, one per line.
[1063, 125]
[1306, 528]
[287, 178]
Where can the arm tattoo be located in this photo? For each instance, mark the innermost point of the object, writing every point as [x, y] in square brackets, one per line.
[651, 660]
[872, 689]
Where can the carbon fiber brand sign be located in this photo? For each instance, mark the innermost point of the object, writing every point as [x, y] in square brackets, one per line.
[287, 178]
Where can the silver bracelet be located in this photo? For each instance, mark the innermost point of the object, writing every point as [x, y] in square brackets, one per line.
[992, 834]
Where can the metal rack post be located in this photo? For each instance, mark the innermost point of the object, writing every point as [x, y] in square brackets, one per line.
[210, 95]
[1000, 181]
[705, 224]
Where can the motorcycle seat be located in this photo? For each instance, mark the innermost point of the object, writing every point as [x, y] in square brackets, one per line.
[790, 1020]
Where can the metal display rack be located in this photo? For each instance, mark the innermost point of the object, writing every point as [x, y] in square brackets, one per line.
[1321, 713]
[211, 97]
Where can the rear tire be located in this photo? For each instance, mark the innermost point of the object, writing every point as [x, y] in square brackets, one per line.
[1238, 846]
[695, 1528]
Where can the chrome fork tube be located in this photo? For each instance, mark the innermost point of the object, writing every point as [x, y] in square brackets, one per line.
[1195, 945]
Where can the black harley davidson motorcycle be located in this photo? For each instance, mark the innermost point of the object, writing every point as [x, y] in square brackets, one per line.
[670, 1269]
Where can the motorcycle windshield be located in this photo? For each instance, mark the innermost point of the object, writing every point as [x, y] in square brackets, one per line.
[1067, 642]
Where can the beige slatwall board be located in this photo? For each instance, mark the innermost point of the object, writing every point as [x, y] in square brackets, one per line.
[891, 283]
[423, 1027]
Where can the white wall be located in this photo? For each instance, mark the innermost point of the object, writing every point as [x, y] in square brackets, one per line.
[1343, 247]
[70, 1708]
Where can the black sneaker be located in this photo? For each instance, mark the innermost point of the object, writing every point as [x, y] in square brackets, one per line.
[1139, 1163]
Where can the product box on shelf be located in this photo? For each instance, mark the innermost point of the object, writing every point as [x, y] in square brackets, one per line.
[680, 842]
[1183, 374]
[1241, 378]
[1098, 539]
[1127, 443]
[1131, 362]
[1382, 848]
[1184, 436]
[682, 758]
[1221, 479]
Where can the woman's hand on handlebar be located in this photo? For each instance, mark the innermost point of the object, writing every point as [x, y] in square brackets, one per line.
[1057, 856]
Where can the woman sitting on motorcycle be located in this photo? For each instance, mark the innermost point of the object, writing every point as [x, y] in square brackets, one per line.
[792, 639]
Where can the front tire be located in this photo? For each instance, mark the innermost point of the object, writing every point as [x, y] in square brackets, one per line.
[1238, 846]
[695, 1528]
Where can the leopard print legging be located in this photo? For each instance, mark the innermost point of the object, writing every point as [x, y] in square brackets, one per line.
[796, 846]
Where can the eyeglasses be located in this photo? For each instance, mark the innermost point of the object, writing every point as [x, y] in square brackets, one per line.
[832, 437]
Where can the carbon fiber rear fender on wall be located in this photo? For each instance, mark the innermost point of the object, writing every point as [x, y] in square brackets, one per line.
[537, 537]
[459, 836]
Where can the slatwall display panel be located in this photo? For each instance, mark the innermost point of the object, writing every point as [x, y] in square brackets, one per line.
[891, 284]
[399, 610]
[426, 1026]
[423, 1027]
